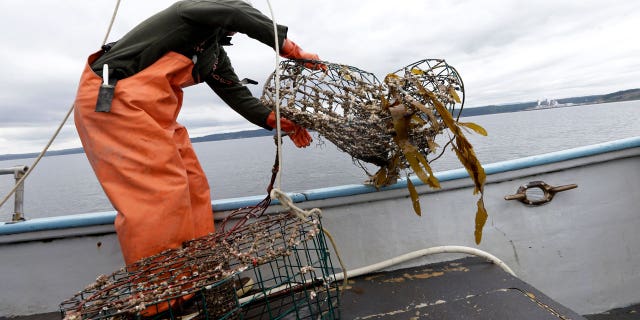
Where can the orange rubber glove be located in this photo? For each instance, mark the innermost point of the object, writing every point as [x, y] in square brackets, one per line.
[291, 50]
[299, 135]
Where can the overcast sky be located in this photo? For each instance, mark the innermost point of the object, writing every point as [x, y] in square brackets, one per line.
[505, 50]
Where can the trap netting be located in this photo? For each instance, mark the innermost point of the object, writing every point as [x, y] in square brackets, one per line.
[374, 122]
[267, 267]
[391, 124]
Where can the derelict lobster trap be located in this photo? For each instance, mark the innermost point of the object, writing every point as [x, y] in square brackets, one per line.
[276, 266]
[392, 124]
[373, 121]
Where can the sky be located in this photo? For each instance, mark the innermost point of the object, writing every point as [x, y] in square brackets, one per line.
[505, 50]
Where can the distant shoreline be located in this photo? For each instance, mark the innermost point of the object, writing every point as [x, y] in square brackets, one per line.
[211, 137]
[618, 96]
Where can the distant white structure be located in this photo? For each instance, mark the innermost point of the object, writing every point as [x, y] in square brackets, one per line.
[547, 103]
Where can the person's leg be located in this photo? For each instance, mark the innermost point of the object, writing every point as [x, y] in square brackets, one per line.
[140, 169]
[201, 212]
[139, 164]
[142, 173]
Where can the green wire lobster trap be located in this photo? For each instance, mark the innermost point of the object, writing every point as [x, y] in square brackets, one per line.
[284, 258]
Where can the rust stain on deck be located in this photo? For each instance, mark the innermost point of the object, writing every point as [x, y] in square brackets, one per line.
[428, 273]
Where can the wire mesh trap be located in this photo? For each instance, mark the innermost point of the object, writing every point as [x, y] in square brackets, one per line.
[284, 259]
[392, 124]
[354, 110]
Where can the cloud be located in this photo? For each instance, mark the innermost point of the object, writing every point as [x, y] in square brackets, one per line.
[506, 51]
[29, 139]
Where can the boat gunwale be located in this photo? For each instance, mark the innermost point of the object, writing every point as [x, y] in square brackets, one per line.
[221, 205]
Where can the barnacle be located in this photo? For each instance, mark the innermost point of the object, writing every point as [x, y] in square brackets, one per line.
[391, 124]
[205, 263]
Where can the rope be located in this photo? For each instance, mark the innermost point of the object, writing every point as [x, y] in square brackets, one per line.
[287, 202]
[66, 117]
[113, 18]
[276, 192]
[277, 94]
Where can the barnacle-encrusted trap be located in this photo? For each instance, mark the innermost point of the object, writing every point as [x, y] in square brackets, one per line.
[391, 124]
[284, 255]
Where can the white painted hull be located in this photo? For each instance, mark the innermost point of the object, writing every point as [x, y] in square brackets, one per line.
[582, 249]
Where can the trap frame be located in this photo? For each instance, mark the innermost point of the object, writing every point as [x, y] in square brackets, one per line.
[285, 255]
[392, 124]
[355, 111]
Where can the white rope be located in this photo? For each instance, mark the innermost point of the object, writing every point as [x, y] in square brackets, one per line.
[287, 203]
[276, 192]
[277, 97]
[113, 18]
[66, 117]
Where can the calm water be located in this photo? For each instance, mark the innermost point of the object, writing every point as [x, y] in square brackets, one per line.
[63, 185]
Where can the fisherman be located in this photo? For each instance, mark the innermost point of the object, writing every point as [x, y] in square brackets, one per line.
[142, 157]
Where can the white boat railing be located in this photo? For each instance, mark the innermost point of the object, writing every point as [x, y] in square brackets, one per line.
[18, 204]
[222, 205]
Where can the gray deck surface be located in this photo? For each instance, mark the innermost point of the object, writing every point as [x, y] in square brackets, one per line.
[469, 288]
[628, 313]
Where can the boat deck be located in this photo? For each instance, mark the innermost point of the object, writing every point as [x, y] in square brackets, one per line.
[469, 288]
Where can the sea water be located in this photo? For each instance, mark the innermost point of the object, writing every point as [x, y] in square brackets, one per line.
[65, 184]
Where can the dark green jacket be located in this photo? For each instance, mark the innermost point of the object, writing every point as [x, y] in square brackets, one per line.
[197, 29]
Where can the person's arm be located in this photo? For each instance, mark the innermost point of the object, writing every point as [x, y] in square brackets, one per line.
[226, 84]
[238, 16]
[232, 15]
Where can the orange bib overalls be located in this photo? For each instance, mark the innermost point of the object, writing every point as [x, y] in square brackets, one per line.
[144, 159]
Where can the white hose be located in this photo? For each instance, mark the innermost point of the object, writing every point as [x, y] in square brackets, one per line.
[391, 262]
[425, 252]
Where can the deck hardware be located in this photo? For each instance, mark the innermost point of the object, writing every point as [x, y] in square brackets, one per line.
[18, 172]
[537, 192]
